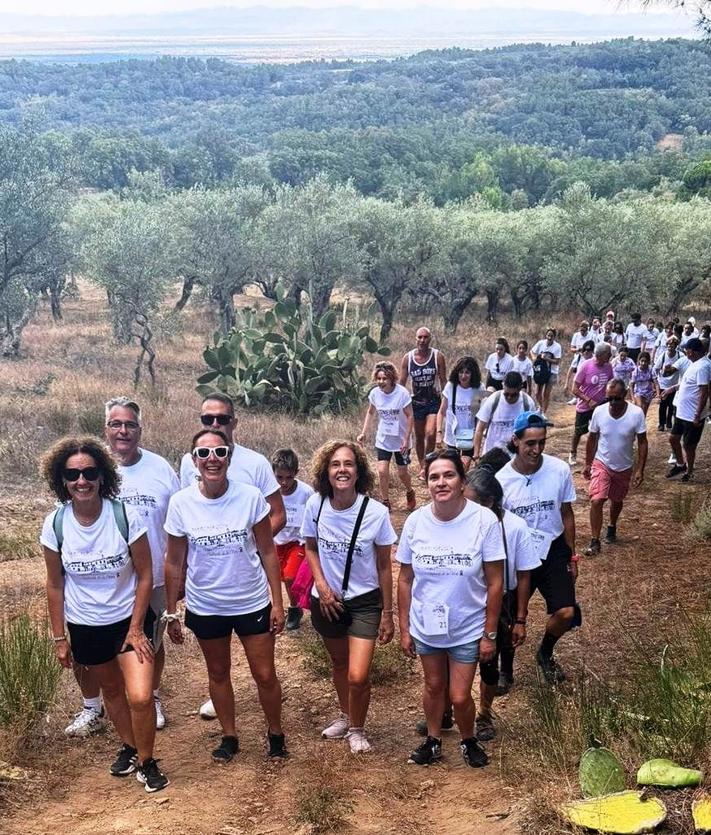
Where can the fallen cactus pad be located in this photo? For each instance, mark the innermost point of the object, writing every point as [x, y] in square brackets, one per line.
[667, 774]
[623, 813]
[600, 773]
[701, 810]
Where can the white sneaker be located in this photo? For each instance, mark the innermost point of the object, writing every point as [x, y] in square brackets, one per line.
[88, 721]
[207, 710]
[337, 729]
[572, 401]
[672, 459]
[572, 460]
[160, 716]
[357, 740]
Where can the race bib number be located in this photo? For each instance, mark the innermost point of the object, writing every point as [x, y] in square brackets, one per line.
[435, 618]
[541, 542]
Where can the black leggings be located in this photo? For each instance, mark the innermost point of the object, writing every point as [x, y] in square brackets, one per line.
[666, 412]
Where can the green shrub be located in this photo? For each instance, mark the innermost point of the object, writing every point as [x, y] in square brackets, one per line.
[29, 673]
[682, 507]
[389, 662]
[324, 807]
[700, 527]
[282, 359]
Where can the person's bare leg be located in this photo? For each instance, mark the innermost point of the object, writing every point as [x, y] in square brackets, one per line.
[615, 510]
[596, 506]
[690, 457]
[430, 433]
[338, 650]
[675, 444]
[259, 650]
[405, 478]
[461, 678]
[158, 666]
[138, 678]
[434, 668]
[559, 622]
[87, 681]
[487, 693]
[218, 658]
[360, 659]
[110, 679]
[419, 426]
[383, 468]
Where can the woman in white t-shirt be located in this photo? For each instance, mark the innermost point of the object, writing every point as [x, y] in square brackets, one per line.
[498, 365]
[522, 363]
[551, 351]
[99, 581]
[461, 399]
[449, 597]
[352, 599]
[391, 403]
[222, 528]
[521, 558]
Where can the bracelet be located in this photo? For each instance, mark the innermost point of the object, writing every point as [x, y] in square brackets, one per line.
[521, 621]
[170, 617]
[575, 558]
[388, 611]
[59, 639]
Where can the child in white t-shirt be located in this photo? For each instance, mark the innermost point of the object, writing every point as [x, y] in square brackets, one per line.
[522, 363]
[289, 542]
[392, 404]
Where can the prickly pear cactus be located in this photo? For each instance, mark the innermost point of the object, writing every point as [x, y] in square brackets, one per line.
[667, 774]
[624, 813]
[701, 810]
[600, 772]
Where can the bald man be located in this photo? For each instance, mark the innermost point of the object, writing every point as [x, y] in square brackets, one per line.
[426, 368]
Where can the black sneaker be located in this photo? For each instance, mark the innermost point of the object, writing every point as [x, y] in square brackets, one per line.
[504, 686]
[593, 548]
[125, 762]
[293, 617]
[686, 478]
[676, 470]
[484, 729]
[552, 673]
[277, 747]
[472, 753]
[151, 776]
[447, 723]
[611, 536]
[428, 752]
[226, 750]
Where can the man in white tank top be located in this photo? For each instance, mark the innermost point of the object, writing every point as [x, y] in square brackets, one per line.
[426, 368]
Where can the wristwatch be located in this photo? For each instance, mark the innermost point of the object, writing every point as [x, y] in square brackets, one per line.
[490, 635]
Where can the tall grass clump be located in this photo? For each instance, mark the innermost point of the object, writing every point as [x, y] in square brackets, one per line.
[324, 802]
[700, 527]
[29, 673]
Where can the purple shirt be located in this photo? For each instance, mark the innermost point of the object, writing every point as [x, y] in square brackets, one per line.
[592, 380]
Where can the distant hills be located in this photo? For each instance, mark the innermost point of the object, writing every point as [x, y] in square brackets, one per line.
[352, 21]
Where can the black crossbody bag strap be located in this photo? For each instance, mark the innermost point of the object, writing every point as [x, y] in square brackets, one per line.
[351, 547]
[507, 598]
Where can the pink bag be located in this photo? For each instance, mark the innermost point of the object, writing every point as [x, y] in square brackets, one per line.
[302, 585]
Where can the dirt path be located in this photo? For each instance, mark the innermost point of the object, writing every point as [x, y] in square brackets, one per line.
[71, 790]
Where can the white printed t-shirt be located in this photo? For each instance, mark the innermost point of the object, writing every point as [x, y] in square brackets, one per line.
[524, 367]
[577, 341]
[537, 498]
[99, 579]
[333, 535]
[147, 486]
[687, 397]
[225, 574]
[522, 554]
[449, 587]
[392, 421]
[294, 505]
[615, 446]
[634, 334]
[500, 423]
[468, 400]
[555, 350]
[505, 364]
[246, 467]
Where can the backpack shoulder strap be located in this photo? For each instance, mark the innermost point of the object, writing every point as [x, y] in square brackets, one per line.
[495, 404]
[528, 402]
[320, 508]
[121, 517]
[58, 526]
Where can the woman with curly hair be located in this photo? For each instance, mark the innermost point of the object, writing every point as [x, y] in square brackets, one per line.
[461, 399]
[348, 540]
[99, 581]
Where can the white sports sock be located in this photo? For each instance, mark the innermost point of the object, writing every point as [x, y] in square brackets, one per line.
[156, 694]
[93, 704]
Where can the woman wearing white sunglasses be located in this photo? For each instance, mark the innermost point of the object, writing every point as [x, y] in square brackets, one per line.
[223, 529]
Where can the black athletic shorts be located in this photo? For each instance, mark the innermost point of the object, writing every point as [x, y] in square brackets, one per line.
[465, 453]
[491, 383]
[421, 411]
[582, 423]
[633, 353]
[93, 645]
[386, 455]
[554, 579]
[207, 627]
[690, 432]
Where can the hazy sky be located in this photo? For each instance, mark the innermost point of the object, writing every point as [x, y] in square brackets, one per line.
[72, 7]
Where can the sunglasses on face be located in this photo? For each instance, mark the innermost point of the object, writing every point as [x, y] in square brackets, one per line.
[222, 420]
[74, 473]
[130, 425]
[203, 452]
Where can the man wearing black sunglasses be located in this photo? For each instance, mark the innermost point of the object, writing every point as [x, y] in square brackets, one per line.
[246, 466]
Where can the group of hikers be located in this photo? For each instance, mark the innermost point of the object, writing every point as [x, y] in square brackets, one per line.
[130, 538]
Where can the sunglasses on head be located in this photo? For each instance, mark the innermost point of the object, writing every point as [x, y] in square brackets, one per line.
[74, 473]
[222, 420]
[203, 452]
[445, 454]
[130, 425]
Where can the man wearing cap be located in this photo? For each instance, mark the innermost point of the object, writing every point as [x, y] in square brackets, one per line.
[691, 402]
[539, 488]
[609, 459]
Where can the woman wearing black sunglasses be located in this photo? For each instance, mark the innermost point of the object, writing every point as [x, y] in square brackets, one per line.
[233, 584]
[99, 580]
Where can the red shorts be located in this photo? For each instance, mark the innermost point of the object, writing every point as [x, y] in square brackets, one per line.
[608, 484]
[291, 555]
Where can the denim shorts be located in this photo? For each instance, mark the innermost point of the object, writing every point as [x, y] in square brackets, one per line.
[462, 654]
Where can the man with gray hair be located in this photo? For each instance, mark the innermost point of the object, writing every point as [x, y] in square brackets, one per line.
[589, 387]
[147, 483]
